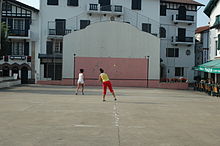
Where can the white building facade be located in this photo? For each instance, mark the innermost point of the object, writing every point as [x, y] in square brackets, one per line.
[212, 10]
[19, 56]
[173, 21]
[178, 24]
[61, 17]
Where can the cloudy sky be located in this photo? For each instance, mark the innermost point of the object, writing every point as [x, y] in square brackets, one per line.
[202, 18]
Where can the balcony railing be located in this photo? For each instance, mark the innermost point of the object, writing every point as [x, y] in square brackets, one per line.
[17, 32]
[188, 19]
[93, 7]
[55, 32]
[111, 9]
[185, 40]
[129, 16]
[16, 59]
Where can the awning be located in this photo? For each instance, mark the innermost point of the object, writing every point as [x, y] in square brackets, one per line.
[210, 67]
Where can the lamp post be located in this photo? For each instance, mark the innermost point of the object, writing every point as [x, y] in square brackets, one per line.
[148, 63]
[74, 60]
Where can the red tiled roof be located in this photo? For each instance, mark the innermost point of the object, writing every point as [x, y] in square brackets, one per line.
[201, 29]
[184, 2]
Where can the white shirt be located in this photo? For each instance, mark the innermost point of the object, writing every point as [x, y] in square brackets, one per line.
[81, 78]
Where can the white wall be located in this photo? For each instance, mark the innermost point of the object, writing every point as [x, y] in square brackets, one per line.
[111, 39]
[150, 8]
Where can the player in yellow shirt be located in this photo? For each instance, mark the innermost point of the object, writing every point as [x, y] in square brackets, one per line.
[103, 77]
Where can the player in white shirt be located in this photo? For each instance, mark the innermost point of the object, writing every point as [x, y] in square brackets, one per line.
[80, 82]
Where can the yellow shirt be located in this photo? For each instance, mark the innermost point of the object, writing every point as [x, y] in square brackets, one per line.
[104, 77]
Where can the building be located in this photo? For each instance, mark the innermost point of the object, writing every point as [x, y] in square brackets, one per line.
[212, 10]
[202, 45]
[72, 31]
[178, 21]
[212, 67]
[202, 48]
[22, 22]
[122, 32]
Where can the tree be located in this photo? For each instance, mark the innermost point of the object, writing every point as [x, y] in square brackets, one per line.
[4, 40]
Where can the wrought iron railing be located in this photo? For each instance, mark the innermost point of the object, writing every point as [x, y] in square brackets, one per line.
[187, 18]
[129, 16]
[17, 32]
[185, 39]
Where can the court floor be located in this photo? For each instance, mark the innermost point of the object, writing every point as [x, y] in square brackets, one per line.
[54, 116]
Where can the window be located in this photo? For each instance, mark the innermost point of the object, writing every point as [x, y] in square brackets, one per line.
[60, 26]
[84, 23]
[6, 7]
[163, 10]
[58, 47]
[72, 2]
[182, 13]
[146, 27]
[105, 5]
[54, 47]
[179, 71]
[172, 52]
[52, 2]
[19, 24]
[17, 48]
[162, 32]
[181, 34]
[136, 5]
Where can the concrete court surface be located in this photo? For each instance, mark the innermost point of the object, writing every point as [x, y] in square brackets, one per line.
[53, 116]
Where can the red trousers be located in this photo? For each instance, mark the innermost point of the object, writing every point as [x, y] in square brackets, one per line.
[105, 85]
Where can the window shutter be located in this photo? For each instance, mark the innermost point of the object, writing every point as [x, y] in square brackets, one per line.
[49, 47]
[26, 49]
[218, 42]
[176, 52]
[9, 49]
[10, 23]
[27, 26]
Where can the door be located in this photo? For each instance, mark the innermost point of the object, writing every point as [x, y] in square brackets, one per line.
[181, 34]
[24, 75]
[5, 71]
[60, 26]
[15, 70]
[182, 13]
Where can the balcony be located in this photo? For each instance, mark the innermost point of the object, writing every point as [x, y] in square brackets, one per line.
[20, 59]
[111, 9]
[18, 34]
[189, 19]
[59, 33]
[182, 41]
